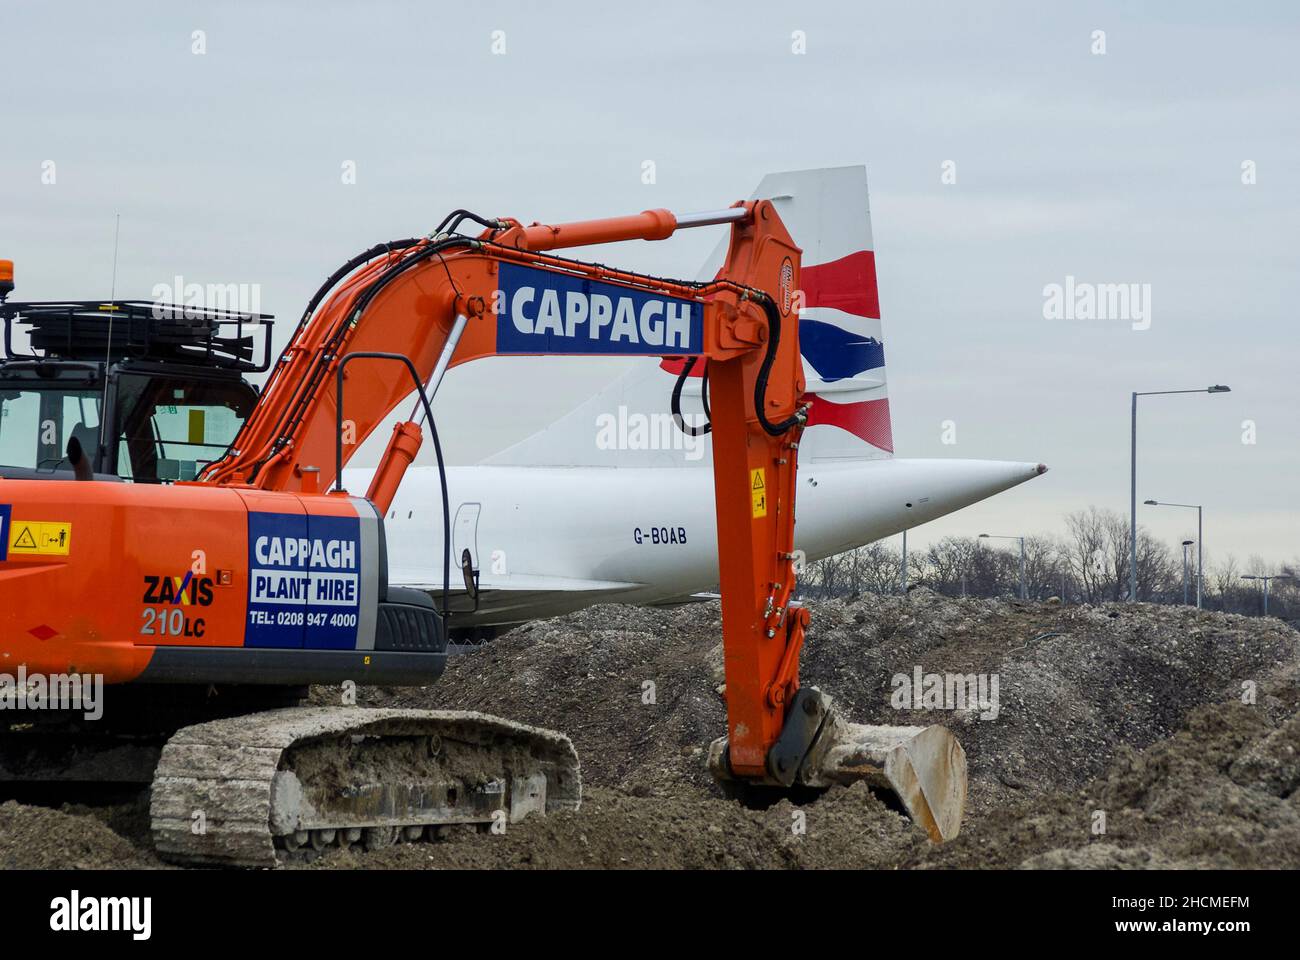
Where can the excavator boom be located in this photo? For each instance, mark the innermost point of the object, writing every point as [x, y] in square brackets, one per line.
[503, 293]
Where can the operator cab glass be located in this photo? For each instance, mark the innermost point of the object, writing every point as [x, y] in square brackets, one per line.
[169, 429]
[35, 426]
[166, 428]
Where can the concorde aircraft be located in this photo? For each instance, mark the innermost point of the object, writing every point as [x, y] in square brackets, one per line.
[613, 502]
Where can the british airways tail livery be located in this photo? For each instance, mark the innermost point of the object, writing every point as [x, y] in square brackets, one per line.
[614, 503]
[840, 335]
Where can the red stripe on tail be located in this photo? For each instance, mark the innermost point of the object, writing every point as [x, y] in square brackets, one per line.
[847, 284]
[866, 419]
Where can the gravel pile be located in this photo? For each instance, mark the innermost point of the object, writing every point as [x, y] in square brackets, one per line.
[1223, 792]
[38, 838]
[1125, 736]
[1074, 683]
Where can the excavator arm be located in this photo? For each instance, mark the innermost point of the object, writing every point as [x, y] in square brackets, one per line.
[449, 299]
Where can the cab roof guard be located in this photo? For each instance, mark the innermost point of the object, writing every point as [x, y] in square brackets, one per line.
[140, 330]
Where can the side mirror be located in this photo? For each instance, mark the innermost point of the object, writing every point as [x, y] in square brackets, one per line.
[81, 468]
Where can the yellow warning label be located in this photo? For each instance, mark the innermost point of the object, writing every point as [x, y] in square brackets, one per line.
[40, 537]
[758, 491]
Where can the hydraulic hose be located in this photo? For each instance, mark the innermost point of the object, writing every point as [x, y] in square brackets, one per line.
[437, 447]
[760, 383]
[347, 268]
[397, 269]
[446, 509]
[456, 217]
[289, 419]
[682, 425]
[330, 283]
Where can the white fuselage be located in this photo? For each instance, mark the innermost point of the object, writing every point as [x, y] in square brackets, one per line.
[550, 540]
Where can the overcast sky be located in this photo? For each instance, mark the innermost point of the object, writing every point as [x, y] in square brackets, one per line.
[1122, 167]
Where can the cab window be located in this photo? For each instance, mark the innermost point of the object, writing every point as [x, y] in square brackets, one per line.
[169, 428]
[35, 426]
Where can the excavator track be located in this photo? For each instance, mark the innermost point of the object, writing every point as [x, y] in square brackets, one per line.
[260, 789]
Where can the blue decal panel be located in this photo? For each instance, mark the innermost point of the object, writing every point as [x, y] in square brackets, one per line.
[304, 581]
[545, 312]
[4, 530]
[836, 353]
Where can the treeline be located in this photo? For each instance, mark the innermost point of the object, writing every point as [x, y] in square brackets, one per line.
[1090, 564]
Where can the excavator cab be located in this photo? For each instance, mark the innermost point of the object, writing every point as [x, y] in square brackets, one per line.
[146, 392]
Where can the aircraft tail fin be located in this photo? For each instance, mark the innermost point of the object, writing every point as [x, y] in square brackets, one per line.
[827, 214]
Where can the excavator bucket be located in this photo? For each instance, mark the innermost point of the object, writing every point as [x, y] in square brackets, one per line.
[923, 767]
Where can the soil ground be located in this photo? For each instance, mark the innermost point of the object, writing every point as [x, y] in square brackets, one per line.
[1124, 736]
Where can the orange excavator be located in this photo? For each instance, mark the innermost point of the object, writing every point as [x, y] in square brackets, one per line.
[203, 602]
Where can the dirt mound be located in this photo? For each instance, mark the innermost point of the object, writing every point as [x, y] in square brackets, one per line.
[1222, 792]
[37, 838]
[1086, 697]
[586, 674]
[1181, 727]
[1074, 683]
[615, 830]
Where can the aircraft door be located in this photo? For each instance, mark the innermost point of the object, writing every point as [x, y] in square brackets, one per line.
[464, 535]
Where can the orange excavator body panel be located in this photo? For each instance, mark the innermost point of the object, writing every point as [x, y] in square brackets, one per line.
[141, 567]
[123, 581]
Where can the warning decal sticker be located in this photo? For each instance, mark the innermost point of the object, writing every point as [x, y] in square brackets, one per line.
[37, 537]
[304, 581]
[758, 491]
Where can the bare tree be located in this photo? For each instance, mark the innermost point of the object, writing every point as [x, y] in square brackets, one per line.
[1090, 565]
[947, 565]
[1089, 560]
[1042, 567]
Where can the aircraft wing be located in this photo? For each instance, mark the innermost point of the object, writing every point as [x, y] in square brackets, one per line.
[527, 596]
[685, 598]
[529, 583]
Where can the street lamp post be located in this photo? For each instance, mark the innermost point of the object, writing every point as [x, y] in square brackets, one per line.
[1280, 576]
[902, 568]
[1024, 593]
[1186, 544]
[1133, 481]
[1200, 542]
